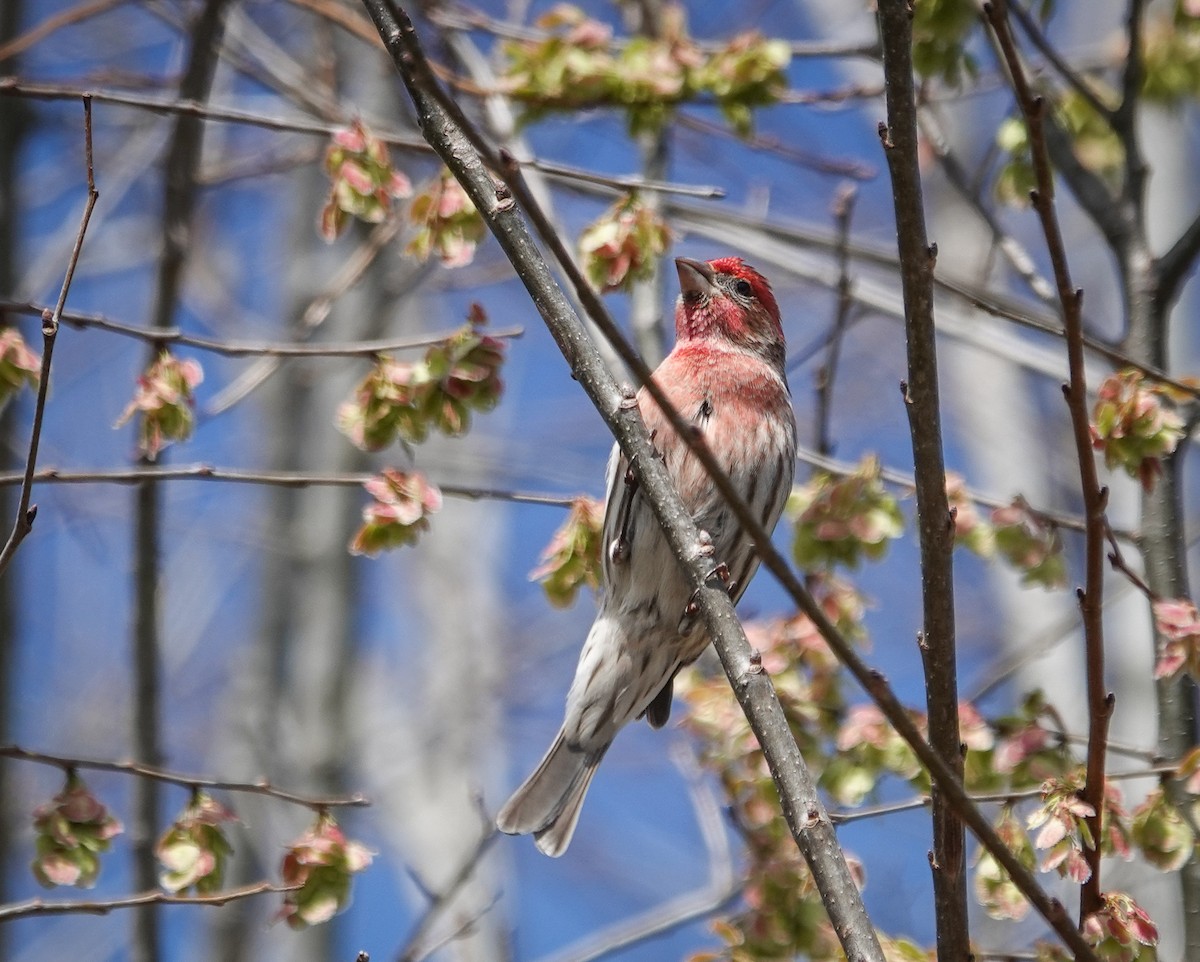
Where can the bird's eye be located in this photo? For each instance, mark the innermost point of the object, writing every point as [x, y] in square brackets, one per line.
[743, 288]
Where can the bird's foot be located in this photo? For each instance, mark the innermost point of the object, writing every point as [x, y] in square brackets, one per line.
[718, 575]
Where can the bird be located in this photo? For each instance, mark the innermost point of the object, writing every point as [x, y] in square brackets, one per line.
[725, 375]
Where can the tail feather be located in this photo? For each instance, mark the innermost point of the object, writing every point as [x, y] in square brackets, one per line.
[547, 805]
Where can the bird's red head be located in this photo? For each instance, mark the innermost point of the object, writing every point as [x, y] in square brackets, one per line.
[729, 300]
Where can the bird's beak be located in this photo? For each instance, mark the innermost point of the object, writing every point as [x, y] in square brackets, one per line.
[696, 279]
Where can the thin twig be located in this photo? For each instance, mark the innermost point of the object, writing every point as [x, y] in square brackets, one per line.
[982, 798]
[40, 31]
[39, 906]
[173, 335]
[1014, 252]
[285, 479]
[17, 86]
[1074, 80]
[722, 888]
[260, 786]
[1117, 560]
[854, 169]
[27, 512]
[438, 901]
[843, 211]
[1095, 498]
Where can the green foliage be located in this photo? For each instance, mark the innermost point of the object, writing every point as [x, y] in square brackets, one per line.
[579, 66]
[1171, 57]
[840, 521]
[322, 862]
[19, 366]
[1030, 543]
[1133, 428]
[572, 559]
[399, 512]
[940, 30]
[1093, 141]
[622, 245]
[71, 831]
[165, 401]
[193, 852]
[362, 182]
[447, 223]
[994, 888]
[406, 400]
[1161, 833]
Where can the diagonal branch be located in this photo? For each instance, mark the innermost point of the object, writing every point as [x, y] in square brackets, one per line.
[26, 512]
[802, 806]
[751, 685]
[1095, 497]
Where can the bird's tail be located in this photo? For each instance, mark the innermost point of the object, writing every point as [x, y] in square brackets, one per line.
[549, 801]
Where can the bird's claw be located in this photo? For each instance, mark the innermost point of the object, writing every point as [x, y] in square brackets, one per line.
[628, 397]
[690, 610]
[720, 573]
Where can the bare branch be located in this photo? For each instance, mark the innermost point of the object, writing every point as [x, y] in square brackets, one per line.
[1095, 498]
[843, 211]
[722, 888]
[922, 403]
[172, 335]
[1074, 80]
[260, 786]
[285, 479]
[1016, 255]
[26, 512]
[153, 897]
[39, 32]
[414, 946]
[982, 798]
[16, 86]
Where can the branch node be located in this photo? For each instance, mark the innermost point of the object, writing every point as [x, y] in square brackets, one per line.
[504, 197]
[885, 136]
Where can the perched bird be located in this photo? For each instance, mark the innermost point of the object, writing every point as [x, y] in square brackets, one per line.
[726, 375]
